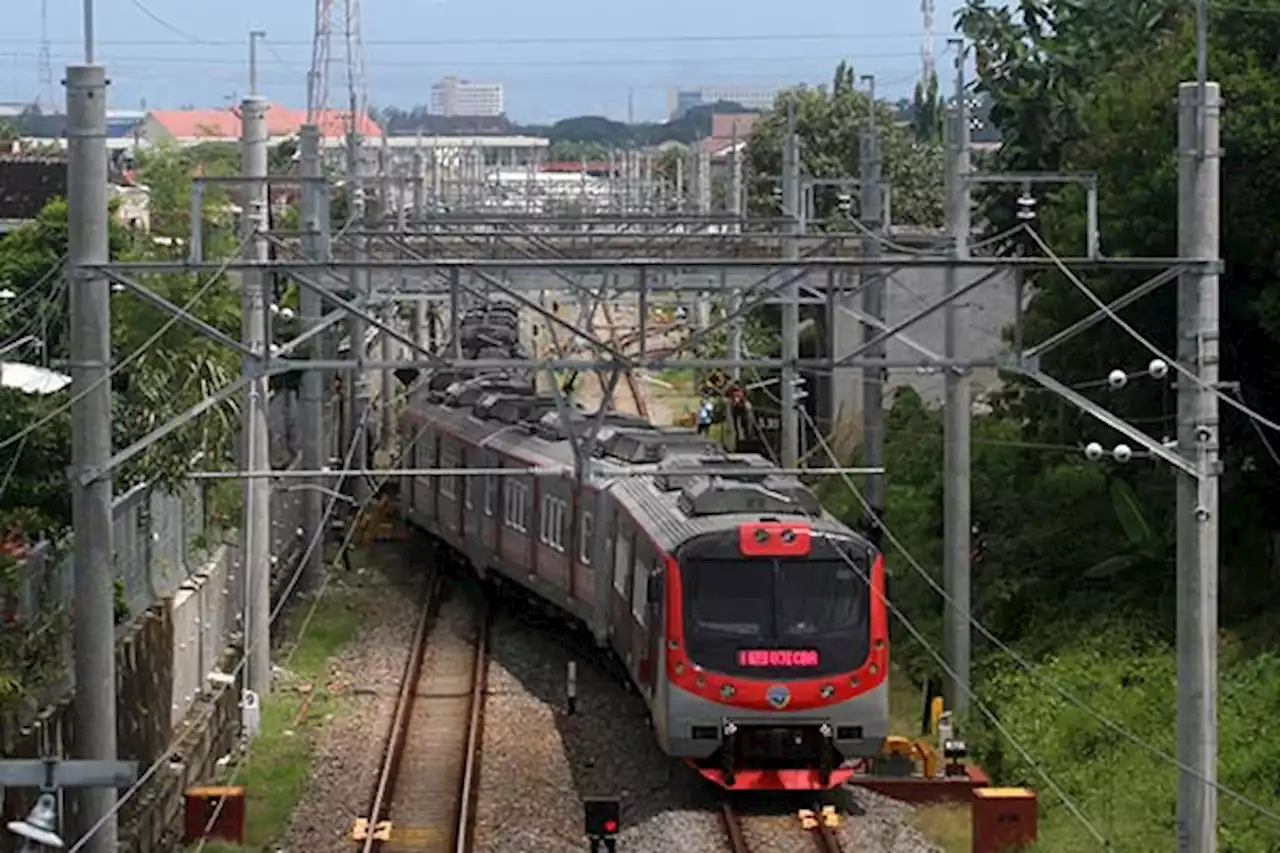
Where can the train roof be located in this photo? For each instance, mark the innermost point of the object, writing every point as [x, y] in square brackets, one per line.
[651, 469]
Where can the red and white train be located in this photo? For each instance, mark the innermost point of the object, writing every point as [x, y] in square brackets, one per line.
[751, 621]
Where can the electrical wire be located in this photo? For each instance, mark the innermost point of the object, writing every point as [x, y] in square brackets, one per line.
[518, 40]
[1030, 668]
[1150, 347]
[133, 356]
[316, 539]
[32, 292]
[982, 707]
[558, 62]
[243, 759]
[168, 26]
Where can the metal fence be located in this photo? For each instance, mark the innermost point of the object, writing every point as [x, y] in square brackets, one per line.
[164, 539]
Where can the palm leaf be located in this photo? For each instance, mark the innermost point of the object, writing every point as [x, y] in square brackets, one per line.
[1134, 523]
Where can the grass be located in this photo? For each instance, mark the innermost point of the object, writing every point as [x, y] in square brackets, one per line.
[947, 826]
[275, 772]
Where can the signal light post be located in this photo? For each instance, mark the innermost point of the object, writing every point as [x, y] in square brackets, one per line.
[603, 819]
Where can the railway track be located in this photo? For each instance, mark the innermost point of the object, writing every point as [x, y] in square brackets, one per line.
[823, 837]
[425, 796]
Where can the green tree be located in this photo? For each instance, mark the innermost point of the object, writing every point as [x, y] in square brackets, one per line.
[829, 121]
[927, 112]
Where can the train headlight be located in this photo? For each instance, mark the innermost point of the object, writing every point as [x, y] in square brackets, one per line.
[828, 690]
[727, 691]
[873, 669]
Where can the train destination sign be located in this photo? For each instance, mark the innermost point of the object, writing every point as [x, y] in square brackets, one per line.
[760, 658]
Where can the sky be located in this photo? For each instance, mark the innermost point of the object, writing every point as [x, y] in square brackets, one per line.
[556, 58]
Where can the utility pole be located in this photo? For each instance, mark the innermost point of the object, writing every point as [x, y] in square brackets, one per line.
[1199, 204]
[256, 526]
[93, 626]
[254, 35]
[956, 514]
[312, 380]
[733, 201]
[791, 304]
[873, 378]
[355, 384]
[388, 312]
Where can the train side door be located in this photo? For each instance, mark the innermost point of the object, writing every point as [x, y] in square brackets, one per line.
[641, 571]
[657, 624]
[619, 600]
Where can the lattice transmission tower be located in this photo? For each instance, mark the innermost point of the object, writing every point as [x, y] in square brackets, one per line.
[318, 76]
[926, 49]
[357, 85]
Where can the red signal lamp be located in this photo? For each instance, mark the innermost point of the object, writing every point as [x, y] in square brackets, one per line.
[603, 815]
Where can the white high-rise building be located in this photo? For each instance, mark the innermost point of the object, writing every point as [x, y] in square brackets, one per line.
[454, 97]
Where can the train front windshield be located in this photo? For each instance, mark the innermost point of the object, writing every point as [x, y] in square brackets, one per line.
[774, 618]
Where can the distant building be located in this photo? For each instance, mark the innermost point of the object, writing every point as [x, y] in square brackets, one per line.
[190, 127]
[680, 101]
[454, 97]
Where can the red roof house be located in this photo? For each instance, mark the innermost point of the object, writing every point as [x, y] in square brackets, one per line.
[223, 125]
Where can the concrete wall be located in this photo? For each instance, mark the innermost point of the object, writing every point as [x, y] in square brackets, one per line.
[990, 308]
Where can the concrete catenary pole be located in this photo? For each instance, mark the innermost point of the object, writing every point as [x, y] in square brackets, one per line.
[94, 625]
[356, 385]
[1197, 505]
[389, 201]
[312, 380]
[958, 412]
[256, 524]
[873, 378]
[791, 300]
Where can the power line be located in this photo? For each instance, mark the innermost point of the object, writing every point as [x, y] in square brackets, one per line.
[481, 42]
[129, 359]
[1027, 665]
[985, 710]
[218, 62]
[1150, 347]
[186, 36]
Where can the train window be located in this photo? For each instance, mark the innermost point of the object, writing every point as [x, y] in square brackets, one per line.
[448, 486]
[557, 530]
[621, 562]
[640, 591]
[516, 508]
[584, 541]
[522, 507]
[551, 529]
[490, 494]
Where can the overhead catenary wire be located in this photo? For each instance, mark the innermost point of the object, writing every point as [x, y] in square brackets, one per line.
[1138, 337]
[243, 759]
[692, 38]
[983, 708]
[1034, 672]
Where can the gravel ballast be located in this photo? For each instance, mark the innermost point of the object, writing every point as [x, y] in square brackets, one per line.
[348, 747]
[538, 763]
